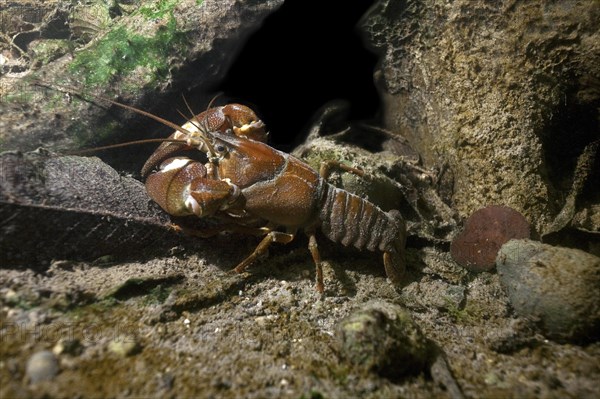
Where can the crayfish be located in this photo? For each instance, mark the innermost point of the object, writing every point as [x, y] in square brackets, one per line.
[255, 189]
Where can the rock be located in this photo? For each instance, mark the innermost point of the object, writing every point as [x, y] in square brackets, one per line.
[382, 337]
[81, 207]
[41, 366]
[159, 51]
[486, 230]
[559, 287]
[48, 50]
[493, 111]
[67, 346]
[516, 335]
[124, 346]
[12, 297]
[577, 225]
[377, 187]
[434, 293]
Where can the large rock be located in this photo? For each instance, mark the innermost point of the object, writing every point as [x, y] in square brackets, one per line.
[505, 94]
[559, 287]
[157, 50]
[71, 207]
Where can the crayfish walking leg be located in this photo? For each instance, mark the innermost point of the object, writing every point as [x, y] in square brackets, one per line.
[314, 251]
[271, 237]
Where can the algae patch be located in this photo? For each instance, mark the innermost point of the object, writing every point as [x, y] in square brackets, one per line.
[159, 9]
[121, 51]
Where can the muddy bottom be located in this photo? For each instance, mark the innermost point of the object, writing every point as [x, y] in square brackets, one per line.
[182, 326]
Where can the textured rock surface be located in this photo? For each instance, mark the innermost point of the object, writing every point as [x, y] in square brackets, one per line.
[159, 49]
[559, 287]
[491, 89]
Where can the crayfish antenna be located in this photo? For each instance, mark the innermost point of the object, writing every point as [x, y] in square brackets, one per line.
[126, 144]
[189, 135]
[209, 106]
[193, 120]
[212, 100]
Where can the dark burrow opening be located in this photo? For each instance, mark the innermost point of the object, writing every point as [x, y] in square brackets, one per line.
[306, 54]
[572, 128]
[573, 131]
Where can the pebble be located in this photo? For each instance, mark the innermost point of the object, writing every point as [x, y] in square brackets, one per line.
[382, 337]
[71, 347]
[434, 293]
[41, 366]
[12, 297]
[557, 287]
[124, 346]
[519, 333]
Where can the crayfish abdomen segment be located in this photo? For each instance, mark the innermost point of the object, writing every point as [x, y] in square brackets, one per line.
[350, 219]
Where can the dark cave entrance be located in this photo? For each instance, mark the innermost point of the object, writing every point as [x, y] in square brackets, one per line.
[573, 126]
[306, 54]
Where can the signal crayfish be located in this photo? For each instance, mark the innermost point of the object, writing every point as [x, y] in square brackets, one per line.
[253, 188]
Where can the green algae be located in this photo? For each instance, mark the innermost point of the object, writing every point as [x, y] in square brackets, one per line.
[123, 51]
[158, 10]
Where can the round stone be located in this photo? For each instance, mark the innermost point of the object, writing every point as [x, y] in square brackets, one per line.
[557, 287]
[382, 337]
[124, 346]
[41, 366]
